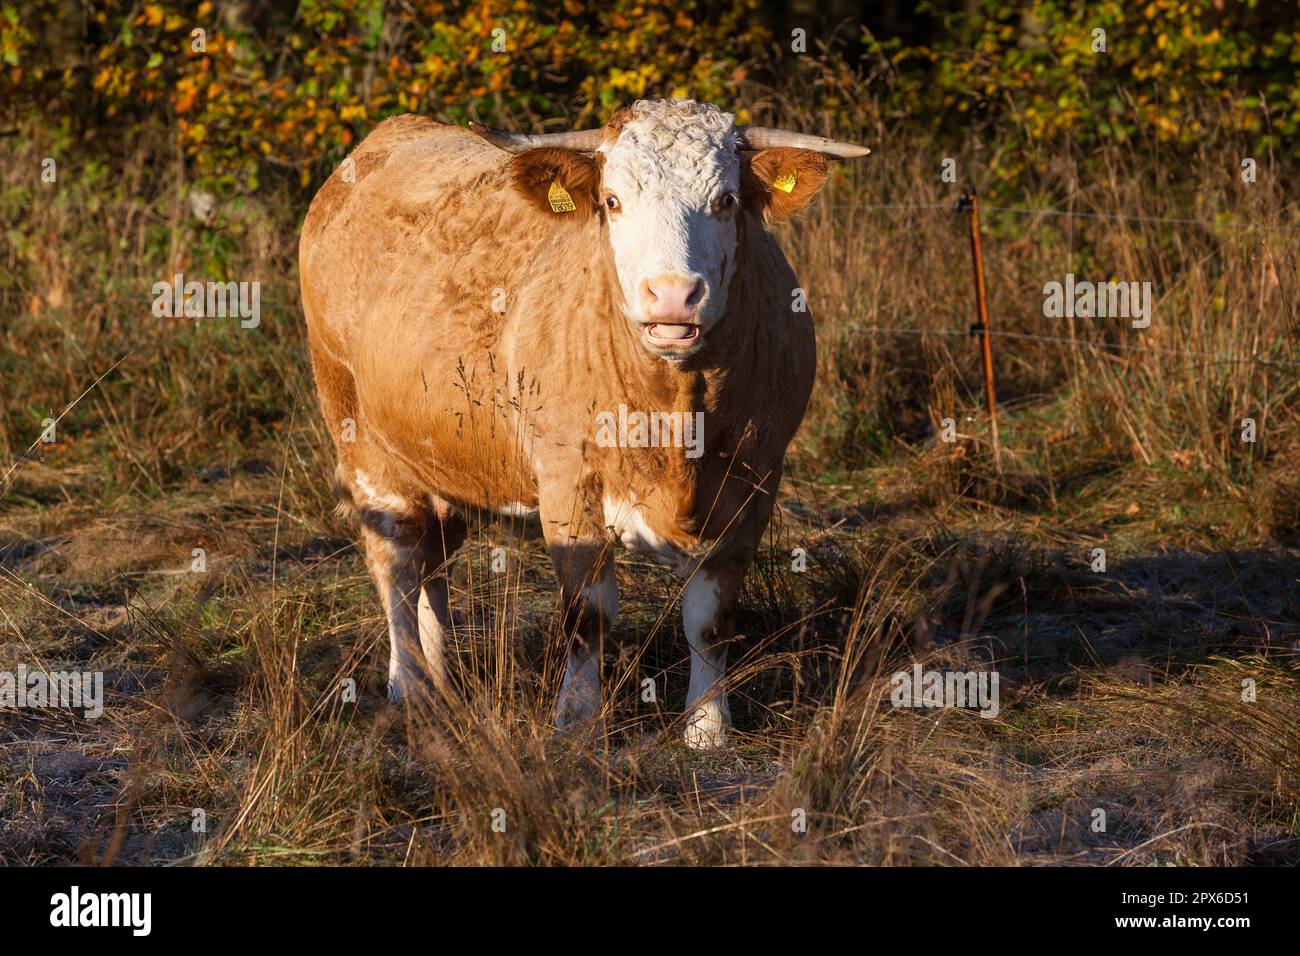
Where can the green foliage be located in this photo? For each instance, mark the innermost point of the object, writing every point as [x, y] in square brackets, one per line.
[274, 93]
[1166, 75]
[248, 98]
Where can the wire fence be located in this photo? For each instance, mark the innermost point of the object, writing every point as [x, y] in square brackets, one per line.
[963, 207]
[1090, 343]
[1073, 214]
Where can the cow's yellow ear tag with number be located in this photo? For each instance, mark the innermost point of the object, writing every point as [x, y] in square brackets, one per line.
[785, 182]
[560, 199]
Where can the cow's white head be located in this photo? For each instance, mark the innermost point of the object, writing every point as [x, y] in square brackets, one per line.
[669, 180]
[670, 192]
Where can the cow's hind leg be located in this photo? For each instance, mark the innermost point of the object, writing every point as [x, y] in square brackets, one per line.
[394, 529]
[404, 543]
[446, 532]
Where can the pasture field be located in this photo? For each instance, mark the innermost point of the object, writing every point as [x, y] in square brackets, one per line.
[179, 536]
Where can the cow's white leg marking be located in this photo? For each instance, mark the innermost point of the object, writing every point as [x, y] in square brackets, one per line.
[445, 532]
[395, 567]
[434, 625]
[708, 714]
[627, 519]
[579, 699]
[392, 527]
[372, 498]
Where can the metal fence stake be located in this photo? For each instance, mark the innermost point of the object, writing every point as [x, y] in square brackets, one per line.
[969, 203]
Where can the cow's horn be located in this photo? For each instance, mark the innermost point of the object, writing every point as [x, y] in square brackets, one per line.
[585, 140]
[764, 137]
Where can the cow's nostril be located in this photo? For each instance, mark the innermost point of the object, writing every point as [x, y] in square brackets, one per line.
[670, 295]
[697, 293]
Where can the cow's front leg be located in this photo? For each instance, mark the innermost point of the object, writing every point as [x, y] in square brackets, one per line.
[588, 600]
[590, 607]
[709, 619]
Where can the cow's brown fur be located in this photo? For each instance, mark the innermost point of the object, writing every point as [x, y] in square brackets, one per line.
[459, 407]
[809, 169]
[532, 174]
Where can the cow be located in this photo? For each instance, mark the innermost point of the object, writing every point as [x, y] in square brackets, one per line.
[594, 330]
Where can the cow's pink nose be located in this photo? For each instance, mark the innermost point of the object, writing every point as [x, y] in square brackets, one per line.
[671, 296]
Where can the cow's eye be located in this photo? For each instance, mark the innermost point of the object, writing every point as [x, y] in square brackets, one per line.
[611, 203]
[728, 201]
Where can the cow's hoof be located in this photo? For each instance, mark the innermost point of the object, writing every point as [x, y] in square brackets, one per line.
[578, 723]
[577, 715]
[698, 739]
[705, 731]
[581, 733]
[410, 688]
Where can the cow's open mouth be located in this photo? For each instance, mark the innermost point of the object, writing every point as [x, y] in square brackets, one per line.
[663, 335]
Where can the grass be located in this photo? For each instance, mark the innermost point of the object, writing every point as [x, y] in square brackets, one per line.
[1121, 690]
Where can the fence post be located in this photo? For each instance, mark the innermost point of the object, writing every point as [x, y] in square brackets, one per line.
[969, 203]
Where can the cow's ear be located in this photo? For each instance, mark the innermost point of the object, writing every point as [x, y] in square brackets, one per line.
[779, 182]
[559, 182]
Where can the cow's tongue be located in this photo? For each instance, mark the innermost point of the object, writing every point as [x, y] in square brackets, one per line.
[670, 331]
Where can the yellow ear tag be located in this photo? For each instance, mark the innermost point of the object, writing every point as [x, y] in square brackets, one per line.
[560, 199]
[785, 182]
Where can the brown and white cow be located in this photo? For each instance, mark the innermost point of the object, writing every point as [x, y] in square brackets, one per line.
[489, 316]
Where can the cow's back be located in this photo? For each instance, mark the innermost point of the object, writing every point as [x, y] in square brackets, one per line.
[369, 224]
[403, 271]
